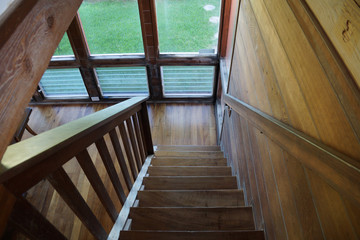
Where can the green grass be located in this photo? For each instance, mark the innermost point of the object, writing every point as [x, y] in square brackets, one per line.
[113, 26]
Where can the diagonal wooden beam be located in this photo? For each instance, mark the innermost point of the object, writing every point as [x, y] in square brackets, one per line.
[25, 54]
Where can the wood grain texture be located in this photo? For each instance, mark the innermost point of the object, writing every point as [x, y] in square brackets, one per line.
[189, 171]
[231, 218]
[186, 198]
[167, 161]
[189, 183]
[192, 235]
[25, 59]
[340, 20]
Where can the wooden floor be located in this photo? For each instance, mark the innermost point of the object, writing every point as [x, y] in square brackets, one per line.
[171, 124]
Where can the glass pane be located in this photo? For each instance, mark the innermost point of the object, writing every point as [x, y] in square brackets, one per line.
[191, 81]
[123, 81]
[57, 83]
[64, 47]
[112, 26]
[188, 25]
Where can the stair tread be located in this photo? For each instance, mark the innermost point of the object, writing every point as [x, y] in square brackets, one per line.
[190, 198]
[189, 171]
[193, 218]
[209, 154]
[188, 147]
[193, 235]
[156, 161]
[189, 183]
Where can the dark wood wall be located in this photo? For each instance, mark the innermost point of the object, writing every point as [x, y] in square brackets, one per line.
[294, 61]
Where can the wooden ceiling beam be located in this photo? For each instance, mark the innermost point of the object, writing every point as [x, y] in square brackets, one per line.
[25, 53]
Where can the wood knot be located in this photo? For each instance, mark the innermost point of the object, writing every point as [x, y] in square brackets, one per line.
[50, 21]
[347, 32]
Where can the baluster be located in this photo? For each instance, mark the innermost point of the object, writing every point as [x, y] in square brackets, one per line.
[67, 190]
[146, 129]
[32, 223]
[110, 168]
[7, 201]
[134, 143]
[139, 138]
[125, 140]
[142, 132]
[121, 158]
[91, 173]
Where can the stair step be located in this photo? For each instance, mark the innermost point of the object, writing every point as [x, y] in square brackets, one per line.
[189, 171]
[187, 148]
[192, 219]
[186, 198]
[160, 161]
[189, 183]
[192, 235]
[207, 154]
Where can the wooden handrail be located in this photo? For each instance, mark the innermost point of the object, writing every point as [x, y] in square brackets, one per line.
[31, 151]
[339, 170]
[43, 156]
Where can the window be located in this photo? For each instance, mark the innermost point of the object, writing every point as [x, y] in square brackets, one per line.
[64, 47]
[188, 25]
[62, 83]
[123, 81]
[188, 81]
[112, 27]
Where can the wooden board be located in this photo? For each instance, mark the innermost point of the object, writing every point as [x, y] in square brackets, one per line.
[165, 161]
[185, 198]
[189, 183]
[188, 148]
[189, 171]
[201, 154]
[191, 218]
[192, 235]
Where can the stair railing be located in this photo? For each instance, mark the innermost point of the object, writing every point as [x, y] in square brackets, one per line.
[42, 157]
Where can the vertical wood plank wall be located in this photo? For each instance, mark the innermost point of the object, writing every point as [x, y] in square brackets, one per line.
[295, 60]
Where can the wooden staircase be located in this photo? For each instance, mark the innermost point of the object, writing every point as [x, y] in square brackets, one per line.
[189, 193]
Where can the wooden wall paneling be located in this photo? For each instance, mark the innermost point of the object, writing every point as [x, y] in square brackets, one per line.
[353, 211]
[262, 190]
[334, 218]
[299, 114]
[254, 70]
[245, 78]
[257, 46]
[275, 208]
[326, 111]
[340, 21]
[307, 212]
[64, 186]
[82, 53]
[335, 69]
[25, 59]
[285, 191]
[252, 186]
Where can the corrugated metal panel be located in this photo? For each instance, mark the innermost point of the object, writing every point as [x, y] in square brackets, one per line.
[191, 81]
[123, 81]
[57, 83]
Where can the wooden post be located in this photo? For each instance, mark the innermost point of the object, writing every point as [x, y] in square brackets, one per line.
[146, 129]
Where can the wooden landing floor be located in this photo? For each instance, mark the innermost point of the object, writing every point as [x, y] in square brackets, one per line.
[171, 124]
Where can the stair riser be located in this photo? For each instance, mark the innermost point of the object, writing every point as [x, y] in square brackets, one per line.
[189, 171]
[192, 219]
